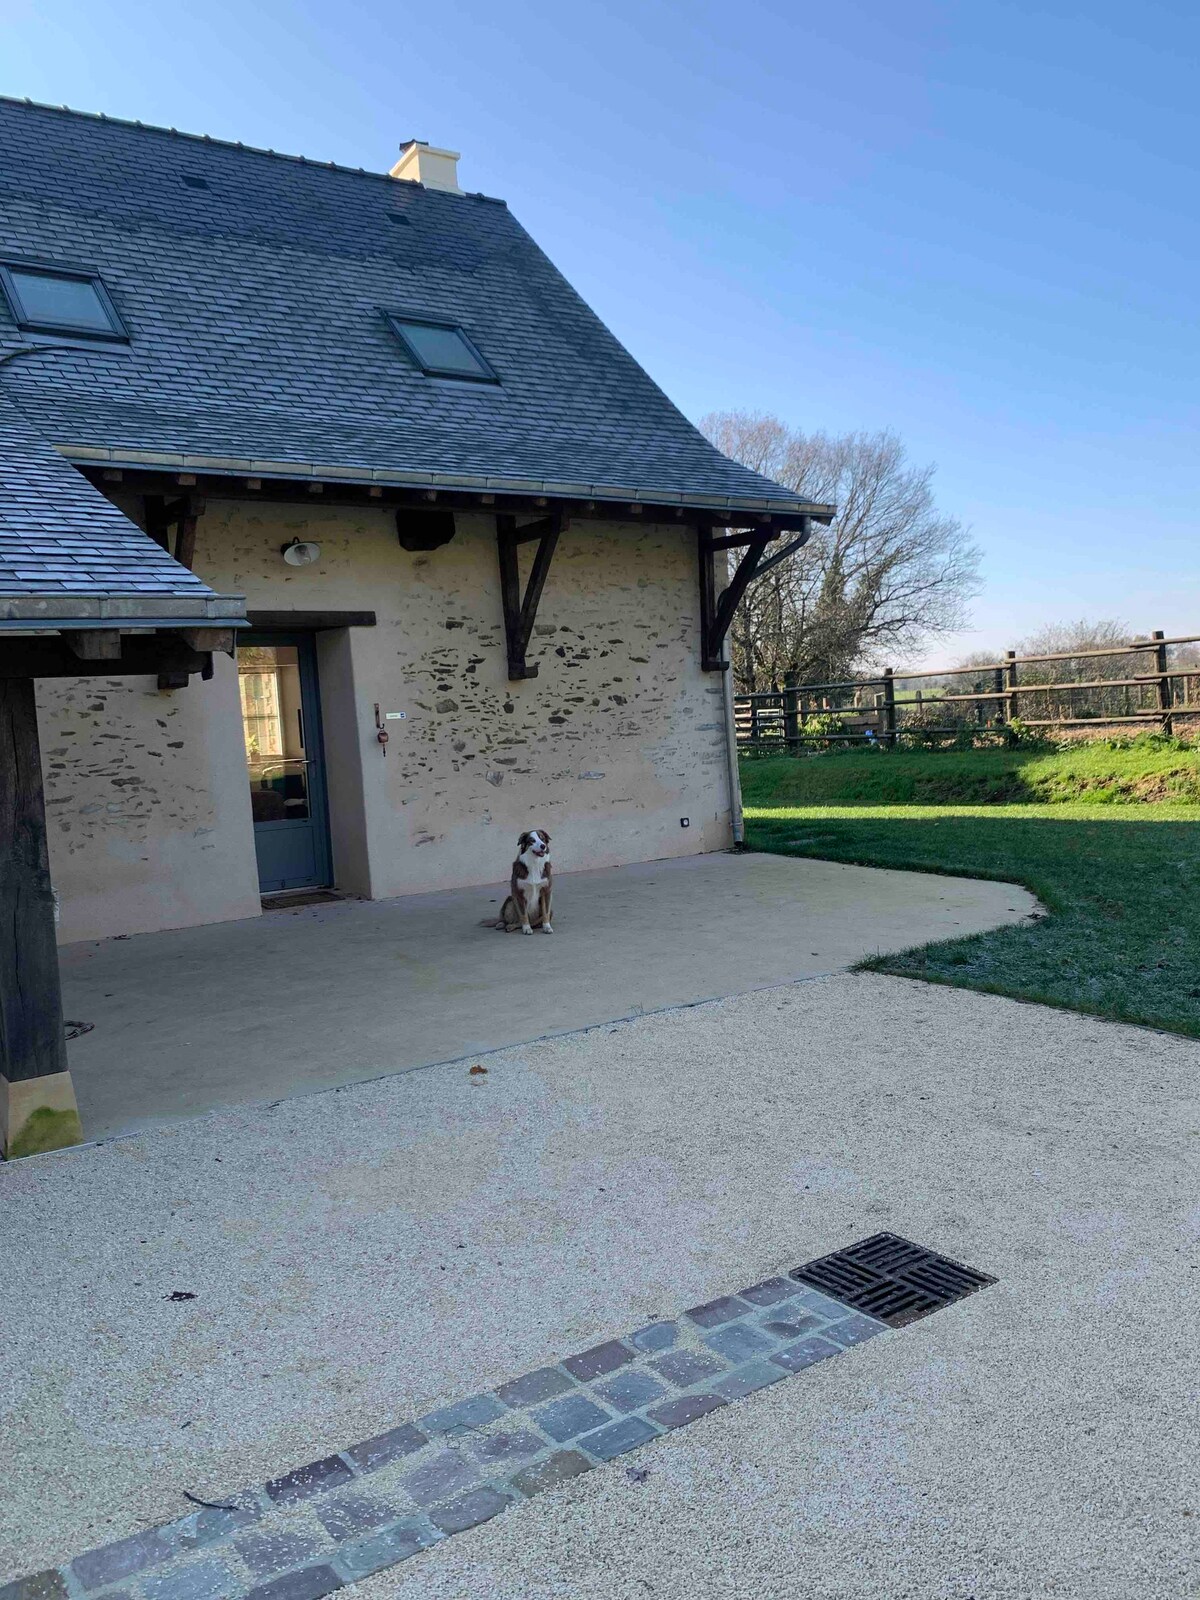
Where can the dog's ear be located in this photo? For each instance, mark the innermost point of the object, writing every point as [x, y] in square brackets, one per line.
[522, 843]
[544, 835]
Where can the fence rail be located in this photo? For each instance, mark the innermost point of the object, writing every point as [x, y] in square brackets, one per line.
[884, 711]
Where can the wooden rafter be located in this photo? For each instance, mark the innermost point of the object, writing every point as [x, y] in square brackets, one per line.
[520, 609]
[716, 612]
[228, 485]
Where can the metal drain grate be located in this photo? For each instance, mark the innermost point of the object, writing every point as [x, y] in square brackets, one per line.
[892, 1279]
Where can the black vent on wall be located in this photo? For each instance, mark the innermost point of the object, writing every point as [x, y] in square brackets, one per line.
[424, 530]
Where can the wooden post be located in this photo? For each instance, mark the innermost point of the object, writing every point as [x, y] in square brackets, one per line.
[1164, 683]
[754, 731]
[37, 1099]
[791, 719]
[1010, 673]
[889, 707]
[708, 594]
[998, 685]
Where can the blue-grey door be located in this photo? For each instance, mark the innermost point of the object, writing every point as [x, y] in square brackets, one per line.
[281, 722]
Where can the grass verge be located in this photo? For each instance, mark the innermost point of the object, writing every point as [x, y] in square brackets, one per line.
[1121, 883]
[1150, 771]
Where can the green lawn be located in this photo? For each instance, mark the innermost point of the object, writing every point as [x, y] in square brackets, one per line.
[1121, 881]
[1150, 771]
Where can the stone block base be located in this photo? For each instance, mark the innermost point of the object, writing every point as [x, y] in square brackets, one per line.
[38, 1114]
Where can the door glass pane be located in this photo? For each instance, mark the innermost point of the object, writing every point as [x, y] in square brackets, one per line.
[273, 726]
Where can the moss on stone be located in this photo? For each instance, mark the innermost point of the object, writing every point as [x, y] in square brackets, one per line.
[46, 1129]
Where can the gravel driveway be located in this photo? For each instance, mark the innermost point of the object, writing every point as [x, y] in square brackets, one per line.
[362, 1255]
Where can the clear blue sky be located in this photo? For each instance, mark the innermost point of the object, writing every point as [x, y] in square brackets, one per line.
[973, 222]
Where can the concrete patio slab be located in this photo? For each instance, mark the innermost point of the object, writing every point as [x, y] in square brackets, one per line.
[370, 1254]
[294, 1001]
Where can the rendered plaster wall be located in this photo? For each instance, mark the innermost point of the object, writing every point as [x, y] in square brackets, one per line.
[147, 807]
[619, 737]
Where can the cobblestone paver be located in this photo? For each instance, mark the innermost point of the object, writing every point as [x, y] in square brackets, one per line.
[320, 1526]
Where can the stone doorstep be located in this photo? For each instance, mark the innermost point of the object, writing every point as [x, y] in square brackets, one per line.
[333, 1521]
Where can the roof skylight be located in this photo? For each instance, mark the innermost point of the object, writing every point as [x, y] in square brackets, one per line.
[441, 349]
[60, 300]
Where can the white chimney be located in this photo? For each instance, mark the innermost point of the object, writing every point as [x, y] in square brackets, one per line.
[425, 163]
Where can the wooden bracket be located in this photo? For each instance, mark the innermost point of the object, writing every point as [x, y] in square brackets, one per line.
[716, 613]
[520, 610]
[162, 515]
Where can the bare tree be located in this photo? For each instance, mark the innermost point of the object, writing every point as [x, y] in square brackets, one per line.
[1060, 638]
[889, 573]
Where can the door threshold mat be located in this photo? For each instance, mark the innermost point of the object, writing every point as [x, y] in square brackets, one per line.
[288, 899]
[318, 1527]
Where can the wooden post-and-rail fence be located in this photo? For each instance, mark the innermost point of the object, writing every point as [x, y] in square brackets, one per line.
[870, 710]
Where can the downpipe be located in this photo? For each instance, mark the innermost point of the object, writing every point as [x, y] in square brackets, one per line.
[735, 777]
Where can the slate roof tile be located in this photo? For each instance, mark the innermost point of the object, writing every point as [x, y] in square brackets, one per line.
[255, 309]
[96, 549]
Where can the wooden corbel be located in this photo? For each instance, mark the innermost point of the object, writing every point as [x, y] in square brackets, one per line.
[716, 613]
[520, 610]
[162, 515]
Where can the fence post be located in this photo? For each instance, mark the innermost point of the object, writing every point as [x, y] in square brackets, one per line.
[1164, 683]
[889, 707]
[791, 729]
[1010, 673]
[754, 734]
[998, 685]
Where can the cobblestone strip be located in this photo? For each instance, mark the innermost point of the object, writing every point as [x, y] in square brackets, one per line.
[326, 1524]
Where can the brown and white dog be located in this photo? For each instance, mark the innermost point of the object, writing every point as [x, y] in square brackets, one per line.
[528, 903]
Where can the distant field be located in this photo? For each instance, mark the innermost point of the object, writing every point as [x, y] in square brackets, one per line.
[1121, 879]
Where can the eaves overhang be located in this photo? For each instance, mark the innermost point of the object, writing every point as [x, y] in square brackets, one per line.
[711, 507]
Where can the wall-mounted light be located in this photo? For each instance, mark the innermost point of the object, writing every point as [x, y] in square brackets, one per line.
[300, 553]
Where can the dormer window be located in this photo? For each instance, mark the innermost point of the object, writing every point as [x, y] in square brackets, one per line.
[60, 300]
[441, 349]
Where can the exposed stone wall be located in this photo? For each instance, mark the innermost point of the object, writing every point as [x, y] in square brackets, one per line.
[619, 737]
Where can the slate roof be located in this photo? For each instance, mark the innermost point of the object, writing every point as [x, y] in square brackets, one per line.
[66, 552]
[253, 296]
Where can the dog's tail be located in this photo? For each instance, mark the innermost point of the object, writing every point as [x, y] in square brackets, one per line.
[496, 923]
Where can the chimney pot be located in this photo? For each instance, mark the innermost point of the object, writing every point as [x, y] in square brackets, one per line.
[425, 163]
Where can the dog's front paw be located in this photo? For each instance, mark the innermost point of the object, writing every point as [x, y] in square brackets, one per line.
[546, 928]
[526, 929]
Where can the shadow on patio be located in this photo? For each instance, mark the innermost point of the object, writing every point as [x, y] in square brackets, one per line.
[295, 1001]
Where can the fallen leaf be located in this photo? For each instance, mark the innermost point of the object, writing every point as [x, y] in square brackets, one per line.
[478, 1071]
